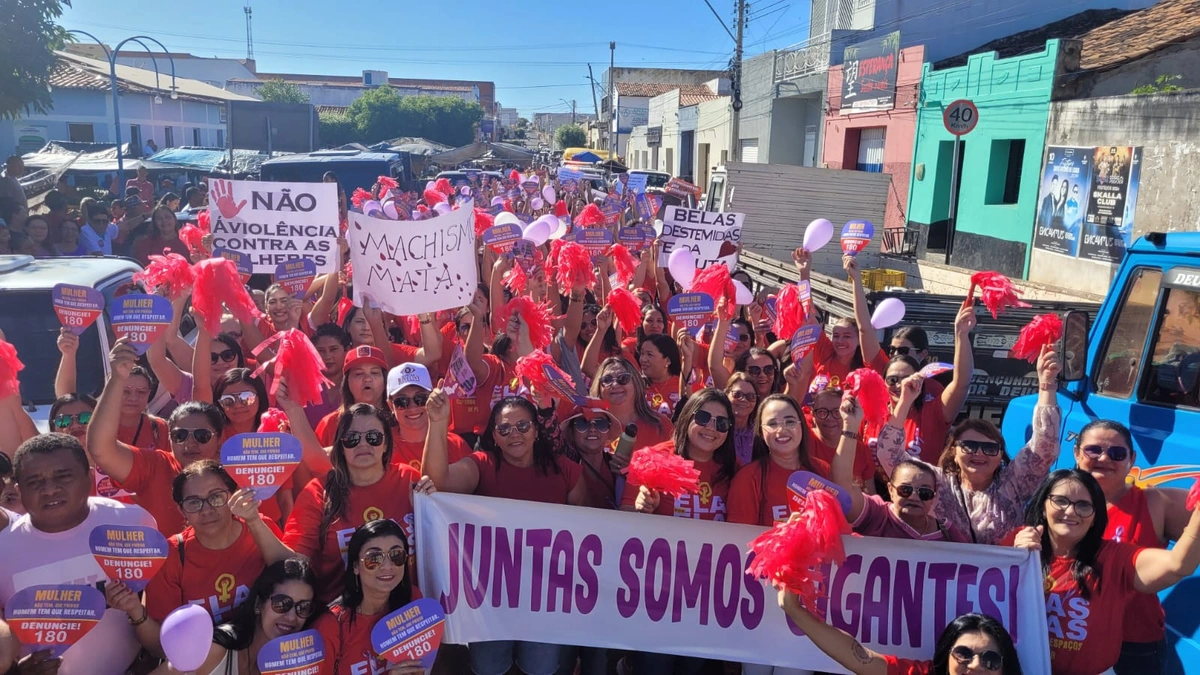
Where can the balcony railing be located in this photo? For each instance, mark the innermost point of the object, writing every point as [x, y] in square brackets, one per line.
[805, 59]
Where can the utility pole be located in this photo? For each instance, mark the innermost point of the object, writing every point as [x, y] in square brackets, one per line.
[593, 81]
[249, 34]
[736, 83]
[614, 134]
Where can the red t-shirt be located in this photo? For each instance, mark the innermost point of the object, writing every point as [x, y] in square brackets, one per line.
[391, 498]
[1086, 634]
[529, 484]
[411, 453]
[348, 648]
[150, 482]
[1129, 521]
[150, 433]
[650, 435]
[897, 666]
[709, 504]
[218, 581]
[825, 362]
[403, 354]
[864, 459]
[470, 413]
[748, 504]
[663, 396]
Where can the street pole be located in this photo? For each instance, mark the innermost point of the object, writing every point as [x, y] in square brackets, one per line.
[613, 136]
[594, 103]
[572, 112]
[951, 221]
[736, 88]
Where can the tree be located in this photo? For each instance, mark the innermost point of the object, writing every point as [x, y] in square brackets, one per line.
[28, 38]
[570, 136]
[337, 130]
[381, 113]
[1163, 84]
[278, 91]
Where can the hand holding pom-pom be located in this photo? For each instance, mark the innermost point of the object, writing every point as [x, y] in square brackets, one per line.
[661, 470]
[1193, 498]
[791, 554]
[1043, 331]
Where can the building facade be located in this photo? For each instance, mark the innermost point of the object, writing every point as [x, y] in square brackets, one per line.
[632, 89]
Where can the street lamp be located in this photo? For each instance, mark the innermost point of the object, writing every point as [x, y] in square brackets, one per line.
[112, 80]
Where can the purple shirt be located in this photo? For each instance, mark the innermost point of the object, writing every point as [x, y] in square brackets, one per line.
[878, 520]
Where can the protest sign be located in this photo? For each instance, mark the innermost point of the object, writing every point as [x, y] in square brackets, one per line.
[523, 251]
[500, 238]
[296, 276]
[804, 341]
[690, 310]
[525, 218]
[595, 239]
[647, 206]
[612, 208]
[295, 654]
[412, 633]
[681, 189]
[731, 339]
[711, 237]
[635, 237]
[935, 369]
[770, 308]
[678, 585]
[141, 318]
[805, 296]
[276, 222]
[53, 617]
[424, 266]
[562, 386]
[240, 259]
[460, 379]
[77, 307]
[261, 462]
[800, 483]
[530, 186]
[631, 182]
[129, 554]
[856, 234]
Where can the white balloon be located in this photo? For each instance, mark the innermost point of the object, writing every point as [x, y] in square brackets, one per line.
[506, 217]
[538, 232]
[465, 190]
[817, 234]
[888, 313]
[389, 209]
[744, 295]
[658, 228]
[429, 185]
[370, 205]
[549, 194]
[562, 227]
[443, 207]
[682, 265]
[497, 201]
[536, 203]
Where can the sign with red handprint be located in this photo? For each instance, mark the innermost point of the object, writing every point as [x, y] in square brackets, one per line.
[274, 223]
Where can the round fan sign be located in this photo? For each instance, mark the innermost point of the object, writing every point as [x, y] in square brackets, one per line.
[960, 117]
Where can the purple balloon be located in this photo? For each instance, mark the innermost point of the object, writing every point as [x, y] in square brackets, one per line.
[186, 637]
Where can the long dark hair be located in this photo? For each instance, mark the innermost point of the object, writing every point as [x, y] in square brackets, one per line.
[543, 447]
[909, 361]
[352, 593]
[348, 398]
[1103, 425]
[762, 453]
[646, 308]
[1083, 568]
[975, 623]
[664, 344]
[216, 418]
[237, 633]
[232, 343]
[947, 462]
[337, 481]
[743, 362]
[242, 376]
[726, 455]
[857, 360]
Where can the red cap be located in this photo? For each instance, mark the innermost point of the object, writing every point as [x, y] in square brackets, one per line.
[364, 354]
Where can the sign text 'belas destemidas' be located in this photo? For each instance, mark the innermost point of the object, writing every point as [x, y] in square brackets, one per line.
[510, 570]
[712, 237]
[273, 223]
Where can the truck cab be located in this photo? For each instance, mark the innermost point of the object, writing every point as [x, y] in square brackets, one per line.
[1138, 363]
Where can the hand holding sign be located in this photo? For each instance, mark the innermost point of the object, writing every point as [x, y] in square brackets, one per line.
[412, 633]
[262, 462]
[129, 554]
[77, 307]
[801, 483]
[856, 234]
[141, 318]
[295, 276]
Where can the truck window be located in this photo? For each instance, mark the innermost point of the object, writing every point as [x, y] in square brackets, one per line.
[1175, 352]
[1117, 374]
[29, 322]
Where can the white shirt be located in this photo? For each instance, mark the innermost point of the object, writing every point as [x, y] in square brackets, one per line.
[93, 243]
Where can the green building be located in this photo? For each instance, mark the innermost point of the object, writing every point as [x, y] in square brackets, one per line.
[1000, 158]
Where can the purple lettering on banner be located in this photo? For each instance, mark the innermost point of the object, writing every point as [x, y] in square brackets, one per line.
[632, 553]
[450, 600]
[590, 557]
[1014, 581]
[875, 598]
[475, 592]
[658, 579]
[908, 600]
[538, 541]
[852, 601]
[991, 590]
[562, 571]
[755, 604]
[729, 575]
[941, 574]
[692, 588]
[967, 576]
[508, 567]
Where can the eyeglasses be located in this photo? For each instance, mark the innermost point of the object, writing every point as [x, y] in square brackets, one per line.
[988, 448]
[601, 424]
[898, 351]
[989, 659]
[923, 493]
[282, 604]
[228, 356]
[202, 436]
[619, 380]
[743, 337]
[463, 328]
[743, 396]
[785, 425]
[403, 402]
[893, 380]
[100, 218]
[755, 371]
[825, 413]
[1083, 508]
[374, 558]
[1117, 453]
[719, 422]
[241, 398]
[351, 439]
[521, 427]
[64, 421]
[196, 504]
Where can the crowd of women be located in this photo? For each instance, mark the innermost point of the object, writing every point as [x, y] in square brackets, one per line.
[333, 549]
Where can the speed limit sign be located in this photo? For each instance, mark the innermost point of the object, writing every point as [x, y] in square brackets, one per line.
[960, 117]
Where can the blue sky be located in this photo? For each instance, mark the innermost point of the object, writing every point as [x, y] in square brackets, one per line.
[536, 52]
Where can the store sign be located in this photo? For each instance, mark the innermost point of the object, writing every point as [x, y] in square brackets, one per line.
[869, 75]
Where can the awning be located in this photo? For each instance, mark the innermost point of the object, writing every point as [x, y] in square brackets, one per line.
[87, 158]
[212, 160]
[578, 154]
[499, 152]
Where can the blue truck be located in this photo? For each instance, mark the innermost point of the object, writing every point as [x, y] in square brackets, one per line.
[1138, 362]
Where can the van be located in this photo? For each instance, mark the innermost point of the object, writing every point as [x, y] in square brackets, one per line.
[354, 168]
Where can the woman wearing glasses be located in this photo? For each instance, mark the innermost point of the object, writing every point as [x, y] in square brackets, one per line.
[744, 398]
[408, 389]
[760, 364]
[979, 491]
[364, 380]
[1091, 581]
[224, 352]
[618, 384]
[376, 583]
[588, 430]
[280, 603]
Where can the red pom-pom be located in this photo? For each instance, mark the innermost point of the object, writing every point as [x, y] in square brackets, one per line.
[443, 186]
[274, 421]
[716, 282]
[537, 317]
[1193, 497]
[532, 369]
[515, 280]
[218, 283]
[660, 469]
[560, 209]
[422, 209]
[483, 220]
[869, 389]
[297, 360]
[360, 195]
[1043, 331]
[171, 270]
[204, 222]
[514, 176]
[433, 197]
[789, 312]
[627, 309]
[791, 554]
[386, 184]
[590, 216]
[193, 238]
[996, 291]
[625, 263]
[574, 267]
[10, 365]
[508, 206]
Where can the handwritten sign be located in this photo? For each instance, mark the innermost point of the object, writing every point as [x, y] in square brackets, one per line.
[935, 369]
[500, 238]
[801, 483]
[141, 318]
[804, 341]
[129, 554]
[460, 379]
[296, 276]
[77, 307]
[271, 223]
[412, 633]
[424, 266]
[295, 654]
[54, 617]
[711, 237]
[690, 310]
[261, 462]
[856, 234]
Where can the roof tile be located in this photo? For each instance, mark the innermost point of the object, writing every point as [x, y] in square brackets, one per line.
[650, 89]
[1140, 33]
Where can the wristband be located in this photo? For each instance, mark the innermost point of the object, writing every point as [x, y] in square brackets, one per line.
[1050, 386]
[850, 434]
[145, 615]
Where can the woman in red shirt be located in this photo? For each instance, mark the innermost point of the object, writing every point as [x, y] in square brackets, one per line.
[1090, 581]
[618, 384]
[663, 366]
[138, 428]
[744, 399]
[586, 433]
[364, 380]
[243, 399]
[376, 583]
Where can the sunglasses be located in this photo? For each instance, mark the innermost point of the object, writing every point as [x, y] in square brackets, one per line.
[925, 494]
[1117, 453]
[755, 371]
[616, 380]
[246, 398]
[282, 604]
[989, 659]
[100, 218]
[898, 351]
[202, 436]
[64, 421]
[743, 397]
[825, 413]
[1083, 508]
[743, 337]
[351, 439]
[196, 504]
[521, 427]
[601, 424]
[989, 448]
[402, 402]
[719, 422]
[374, 558]
[893, 380]
[464, 328]
[228, 356]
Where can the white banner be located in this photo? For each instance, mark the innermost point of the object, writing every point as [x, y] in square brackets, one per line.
[511, 570]
[712, 237]
[414, 266]
[276, 222]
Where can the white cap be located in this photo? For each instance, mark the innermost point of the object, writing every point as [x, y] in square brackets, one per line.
[409, 373]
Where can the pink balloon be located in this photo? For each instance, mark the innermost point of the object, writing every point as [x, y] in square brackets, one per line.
[549, 194]
[369, 206]
[443, 207]
[538, 231]
[497, 201]
[186, 637]
[888, 313]
[744, 295]
[817, 234]
[389, 209]
[465, 191]
[683, 266]
[561, 228]
[536, 203]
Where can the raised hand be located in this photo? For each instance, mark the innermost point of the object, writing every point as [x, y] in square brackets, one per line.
[438, 406]
[68, 342]
[852, 413]
[222, 196]
[122, 359]
[244, 505]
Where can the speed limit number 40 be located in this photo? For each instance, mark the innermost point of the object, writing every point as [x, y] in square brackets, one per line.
[960, 117]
